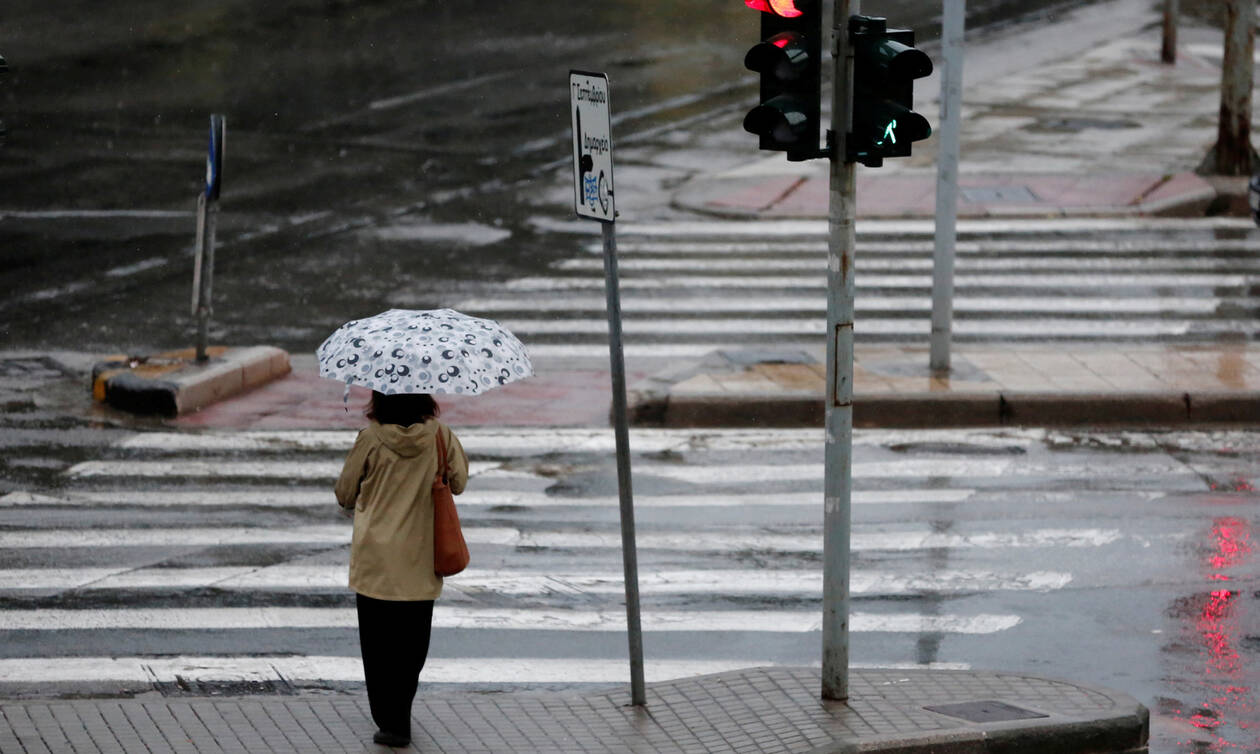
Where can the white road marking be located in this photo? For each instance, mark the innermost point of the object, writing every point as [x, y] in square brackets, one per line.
[132, 269]
[715, 582]
[873, 228]
[812, 542]
[516, 619]
[809, 541]
[810, 327]
[914, 468]
[350, 669]
[871, 304]
[530, 441]
[864, 265]
[1135, 247]
[474, 499]
[819, 282]
[213, 536]
[279, 469]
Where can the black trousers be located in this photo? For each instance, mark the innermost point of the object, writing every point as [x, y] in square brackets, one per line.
[394, 639]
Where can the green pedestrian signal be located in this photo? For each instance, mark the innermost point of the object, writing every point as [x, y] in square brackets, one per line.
[885, 65]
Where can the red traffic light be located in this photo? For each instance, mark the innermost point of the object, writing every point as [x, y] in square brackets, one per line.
[784, 8]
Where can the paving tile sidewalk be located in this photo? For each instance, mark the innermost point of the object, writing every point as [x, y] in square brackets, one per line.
[763, 710]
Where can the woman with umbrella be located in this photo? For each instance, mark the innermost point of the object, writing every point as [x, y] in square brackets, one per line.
[386, 483]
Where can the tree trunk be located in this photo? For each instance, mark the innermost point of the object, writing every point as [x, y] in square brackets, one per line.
[1233, 141]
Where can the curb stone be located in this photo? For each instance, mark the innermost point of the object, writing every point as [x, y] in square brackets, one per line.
[927, 410]
[173, 383]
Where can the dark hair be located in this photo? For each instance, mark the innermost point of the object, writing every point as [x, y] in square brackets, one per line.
[403, 409]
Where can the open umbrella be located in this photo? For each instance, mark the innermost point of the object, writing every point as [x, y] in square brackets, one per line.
[431, 351]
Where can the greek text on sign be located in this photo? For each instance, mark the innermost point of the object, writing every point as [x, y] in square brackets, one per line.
[592, 146]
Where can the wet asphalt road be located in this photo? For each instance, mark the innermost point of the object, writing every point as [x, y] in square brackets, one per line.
[344, 120]
[1126, 559]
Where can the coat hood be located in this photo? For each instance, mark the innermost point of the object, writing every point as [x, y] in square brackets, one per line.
[405, 441]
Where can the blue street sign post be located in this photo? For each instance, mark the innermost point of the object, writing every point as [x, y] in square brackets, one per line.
[207, 217]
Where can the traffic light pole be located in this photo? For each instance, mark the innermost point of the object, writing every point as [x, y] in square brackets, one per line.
[838, 473]
[952, 28]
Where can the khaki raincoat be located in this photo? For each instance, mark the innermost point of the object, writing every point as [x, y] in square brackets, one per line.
[387, 479]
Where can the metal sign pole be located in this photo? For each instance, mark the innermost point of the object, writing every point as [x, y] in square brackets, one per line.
[837, 475]
[594, 199]
[207, 214]
[947, 186]
[629, 552]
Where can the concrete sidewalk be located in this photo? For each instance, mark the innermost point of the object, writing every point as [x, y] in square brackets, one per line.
[988, 385]
[763, 710]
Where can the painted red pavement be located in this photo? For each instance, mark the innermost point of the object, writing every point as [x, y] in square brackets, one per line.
[980, 194]
[302, 400]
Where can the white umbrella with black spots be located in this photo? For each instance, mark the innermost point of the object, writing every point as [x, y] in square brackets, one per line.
[430, 351]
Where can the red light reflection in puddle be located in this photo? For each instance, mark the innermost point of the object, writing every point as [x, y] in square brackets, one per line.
[1217, 627]
[1238, 484]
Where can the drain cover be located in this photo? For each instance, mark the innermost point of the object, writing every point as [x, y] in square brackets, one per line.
[985, 711]
[182, 686]
[749, 356]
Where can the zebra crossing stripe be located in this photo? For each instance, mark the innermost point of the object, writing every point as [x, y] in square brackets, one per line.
[281, 469]
[777, 329]
[914, 468]
[867, 305]
[742, 582]
[281, 668]
[874, 228]
[515, 619]
[819, 282]
[472, 500]
[913, 539]
[1143, 248]
[811, 326]
[526, 441]
[867, 265]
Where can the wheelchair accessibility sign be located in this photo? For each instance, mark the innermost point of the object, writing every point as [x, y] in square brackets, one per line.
[592, 146]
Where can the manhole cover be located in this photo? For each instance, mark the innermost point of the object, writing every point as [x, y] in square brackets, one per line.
[750, 356]
[182, 686]
[985, 711]
[994, 194]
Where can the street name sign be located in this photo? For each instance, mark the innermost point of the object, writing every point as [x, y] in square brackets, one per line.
[592, 146]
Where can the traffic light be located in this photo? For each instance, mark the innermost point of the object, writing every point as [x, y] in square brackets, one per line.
[788, 57]
[885, 65]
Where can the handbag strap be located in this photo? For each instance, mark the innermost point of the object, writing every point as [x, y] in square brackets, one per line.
[441, 450]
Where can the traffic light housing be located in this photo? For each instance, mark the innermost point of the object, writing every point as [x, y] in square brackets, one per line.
[885, 65]
[788, 57]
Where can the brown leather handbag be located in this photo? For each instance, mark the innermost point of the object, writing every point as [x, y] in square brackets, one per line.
[450, 552]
